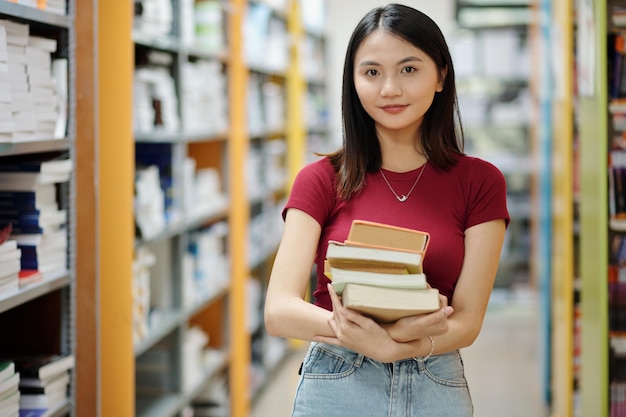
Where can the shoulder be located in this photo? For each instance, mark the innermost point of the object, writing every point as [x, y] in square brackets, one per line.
[319, 170]
[473, 169]
[470, 164]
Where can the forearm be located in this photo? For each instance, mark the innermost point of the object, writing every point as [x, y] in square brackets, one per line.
[296, 318]
[461, 333]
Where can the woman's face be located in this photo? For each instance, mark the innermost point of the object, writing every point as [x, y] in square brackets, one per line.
[395, 81]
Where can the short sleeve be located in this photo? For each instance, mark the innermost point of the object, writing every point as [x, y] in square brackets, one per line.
[313, 191]
[486, 194]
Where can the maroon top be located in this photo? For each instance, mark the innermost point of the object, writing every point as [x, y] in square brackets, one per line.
[443, 203]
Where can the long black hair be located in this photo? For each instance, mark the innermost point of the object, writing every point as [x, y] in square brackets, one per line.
[441, 131]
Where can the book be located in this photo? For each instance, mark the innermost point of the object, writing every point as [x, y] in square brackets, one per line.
[44, 367]
[7, 369]
[28, 277]
[339, 251]
[341, 277]
[10, 384]
[10, 405]
[368, 233]
[389, 304]
[37, 386]
[361, 265]
[45, 163]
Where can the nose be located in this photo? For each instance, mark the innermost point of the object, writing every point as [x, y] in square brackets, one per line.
[391, 87]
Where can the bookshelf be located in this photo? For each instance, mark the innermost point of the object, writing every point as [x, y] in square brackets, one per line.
[47, 308]
[98, 316]
[253, 60]
[590, 380]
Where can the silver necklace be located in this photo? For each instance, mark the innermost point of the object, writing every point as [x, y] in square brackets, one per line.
[403, 197]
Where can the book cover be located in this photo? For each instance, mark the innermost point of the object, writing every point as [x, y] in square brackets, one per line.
[342, 277]
[382, 235]
[389, 304]
[338, 251]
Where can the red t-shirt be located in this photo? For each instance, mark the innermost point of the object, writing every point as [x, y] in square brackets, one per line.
[443, 203]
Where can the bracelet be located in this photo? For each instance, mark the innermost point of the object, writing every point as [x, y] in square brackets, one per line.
[432, 348]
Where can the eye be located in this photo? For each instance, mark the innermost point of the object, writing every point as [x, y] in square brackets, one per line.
[371, 72]
[409, 70]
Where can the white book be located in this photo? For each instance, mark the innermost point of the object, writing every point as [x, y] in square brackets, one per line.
[17, 68]
[10, 268]
[8, 246]
[7, 126]
[46, 44]
[60, 74]
[17, 54]
[17, 33]
[24, 121]
[11, 256]
[55, 239]
[10, 384]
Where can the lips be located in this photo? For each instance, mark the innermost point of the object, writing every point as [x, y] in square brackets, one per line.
[394, 108]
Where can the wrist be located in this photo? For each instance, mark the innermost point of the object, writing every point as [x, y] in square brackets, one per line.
[430, 343]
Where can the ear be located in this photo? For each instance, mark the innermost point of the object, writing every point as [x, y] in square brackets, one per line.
[442, 79]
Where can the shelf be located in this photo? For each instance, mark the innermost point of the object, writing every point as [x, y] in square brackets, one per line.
[33, 291]
[33, 15]
[166, 405]
[181, 227]
[159, 328]
[8, 149]
[179, 137]
[198, 306]
[168, 44]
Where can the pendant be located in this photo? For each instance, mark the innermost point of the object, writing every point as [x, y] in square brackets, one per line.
[402, 199]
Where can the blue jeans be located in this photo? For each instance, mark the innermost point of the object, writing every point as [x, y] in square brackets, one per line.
[337, 382]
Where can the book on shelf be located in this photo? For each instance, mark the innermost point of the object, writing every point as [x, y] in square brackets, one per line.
[10, 384]
[43, 367]
[7, 369]
[9, 392]
[10, 404]
[28, 277]
[9, 268]
[44, 396]
[385, 304]
[378, 271]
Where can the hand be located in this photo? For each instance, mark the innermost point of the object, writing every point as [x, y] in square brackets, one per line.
[420, 326]
[357, 332]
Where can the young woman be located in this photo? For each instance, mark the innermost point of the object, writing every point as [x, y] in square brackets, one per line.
[401, 163]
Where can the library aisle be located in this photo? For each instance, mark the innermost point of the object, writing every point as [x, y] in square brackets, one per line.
[503, 367]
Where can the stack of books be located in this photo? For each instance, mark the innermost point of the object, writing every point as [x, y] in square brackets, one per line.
[28, 202]
[378, 271]
[9, 267]
[9, 392]
[44, 382]
[33, 87]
